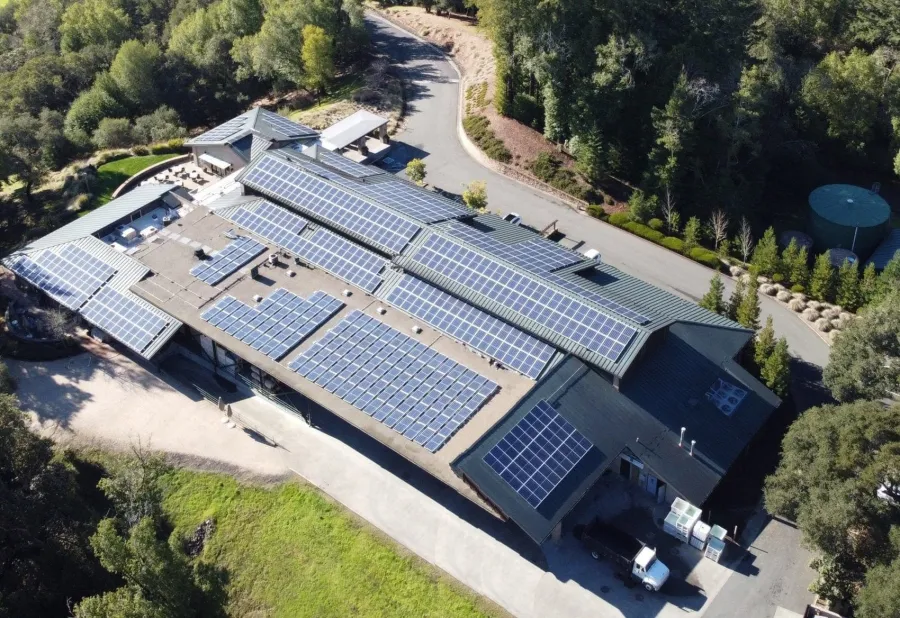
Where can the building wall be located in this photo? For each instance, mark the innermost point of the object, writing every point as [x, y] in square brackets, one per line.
[219, 151]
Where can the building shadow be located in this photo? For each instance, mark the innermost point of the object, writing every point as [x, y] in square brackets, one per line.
[402, 153]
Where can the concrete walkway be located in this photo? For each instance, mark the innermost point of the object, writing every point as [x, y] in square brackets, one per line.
[115, 402]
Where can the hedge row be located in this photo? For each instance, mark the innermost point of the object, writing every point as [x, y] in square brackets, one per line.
[479, 129]
[623, 220]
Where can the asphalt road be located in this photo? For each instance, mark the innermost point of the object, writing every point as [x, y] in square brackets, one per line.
[429, 132]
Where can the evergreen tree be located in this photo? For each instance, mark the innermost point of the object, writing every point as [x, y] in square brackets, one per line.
[765, 255]
[737, 297]
[776, 371]
[848, 293]
[691, 234]
[889, 279]
[789, 258]
[714, 299]
[868, 286]
[748, 311]
[821, 284]
[799, 272]
[764, 344]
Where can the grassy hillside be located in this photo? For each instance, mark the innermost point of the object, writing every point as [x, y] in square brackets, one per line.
[290, 553]
[114, 173]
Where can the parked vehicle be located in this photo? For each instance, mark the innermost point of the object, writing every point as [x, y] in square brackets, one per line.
[513, 217]
[626, 552]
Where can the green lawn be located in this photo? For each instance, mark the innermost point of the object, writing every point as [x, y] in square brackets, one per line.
[114, 173]
[289, 552]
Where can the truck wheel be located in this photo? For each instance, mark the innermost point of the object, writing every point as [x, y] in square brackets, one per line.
[648, 587]
[595, 555]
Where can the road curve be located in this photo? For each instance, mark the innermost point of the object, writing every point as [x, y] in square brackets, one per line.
[430, 132]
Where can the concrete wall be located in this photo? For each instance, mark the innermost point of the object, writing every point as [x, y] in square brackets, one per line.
[219, 151]
[147, 173]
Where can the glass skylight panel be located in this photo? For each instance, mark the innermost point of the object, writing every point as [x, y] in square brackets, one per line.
[537, 453]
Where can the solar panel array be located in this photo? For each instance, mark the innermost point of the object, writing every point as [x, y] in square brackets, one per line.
[540, 257]
[70, 276]
[278, 324]
[221, 132]
[273, 223]
[228, 260]
[124, 318]
[396, 380]
[342, 163]
[485, 333]
[601, 300]
[286, 127]
[537, 453]
[343, 259]
[527, 296]
[412, 201]
[314, 195]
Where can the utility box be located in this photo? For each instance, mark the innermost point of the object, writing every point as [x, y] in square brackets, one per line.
[716, 544]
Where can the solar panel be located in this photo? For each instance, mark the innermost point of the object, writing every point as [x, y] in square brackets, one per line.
[413, 201]
[527, 296]
[272, 222]
[342, 163]
[285, 126]
[342, 258]
[311, 194]
[537, 453]
[222, 132]
[92, 266]
[396, 380]
[540, 255]
[54, 286]
[278, 324]
[483, 332]
[228, 260]
[601, 300]
[477, 238]
[124, 318]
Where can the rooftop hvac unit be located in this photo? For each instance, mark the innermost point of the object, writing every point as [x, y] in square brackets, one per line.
[128, 233]
[273, 259]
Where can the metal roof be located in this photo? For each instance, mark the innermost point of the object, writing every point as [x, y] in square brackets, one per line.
[886, 250]
[644, 415]
[102, 217]
[350, 129]
[258, 122]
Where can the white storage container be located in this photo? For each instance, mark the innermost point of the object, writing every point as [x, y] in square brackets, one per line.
[716, 546]
[699, 535]
[681, 519]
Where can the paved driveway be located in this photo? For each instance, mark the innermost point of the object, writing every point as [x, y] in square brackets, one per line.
[429, 132]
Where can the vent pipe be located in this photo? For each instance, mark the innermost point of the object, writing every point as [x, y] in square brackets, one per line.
[681, 439]
[693, 442]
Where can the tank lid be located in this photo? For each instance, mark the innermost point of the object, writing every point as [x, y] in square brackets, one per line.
[849, 205]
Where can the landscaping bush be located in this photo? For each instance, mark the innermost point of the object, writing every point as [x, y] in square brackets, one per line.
[639, 229]
[140, 151]
[80, 202]
[705, 257]
[597, 211]
[619, 218]
[7, 381]
[550, 169]
[108, 157]
[777, 278]
[656, 224]
[172, 146]
[798, 288]
[675, 244]
[479, 129]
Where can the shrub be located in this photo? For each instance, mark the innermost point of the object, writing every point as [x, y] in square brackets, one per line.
[798, 288]
[642, 206]
[777, 278]
[705, 257]
[479, 129]
[527, 111]
[619, 218]
[550, 169]
[7, 382]
[140, 151]
[608, 199]
[656, 224]
[113, 133]
[643, 231]
[597, 211]
[160, 126]
[176, 144]
[415, 171]
[80, 202]
[675, 244]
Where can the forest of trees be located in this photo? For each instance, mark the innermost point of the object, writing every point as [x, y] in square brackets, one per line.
[85, 74]
[741, 105]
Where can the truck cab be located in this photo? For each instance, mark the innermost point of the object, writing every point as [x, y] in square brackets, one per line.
[648, 570]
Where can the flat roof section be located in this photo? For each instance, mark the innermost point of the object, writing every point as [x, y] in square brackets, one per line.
[350, 129]
[174, 290]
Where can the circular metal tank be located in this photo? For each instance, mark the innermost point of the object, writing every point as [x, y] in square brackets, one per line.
[838, 256]
[848, 217]
[800, 238]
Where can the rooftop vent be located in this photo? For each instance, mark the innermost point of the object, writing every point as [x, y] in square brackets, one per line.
[289, 273]
[257, 298]
[416, 329]
[347, 293]
[381, 310]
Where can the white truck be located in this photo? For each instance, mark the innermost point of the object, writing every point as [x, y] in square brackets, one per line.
[626, 552]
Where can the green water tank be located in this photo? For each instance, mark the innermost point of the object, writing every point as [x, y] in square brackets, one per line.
[848, 217]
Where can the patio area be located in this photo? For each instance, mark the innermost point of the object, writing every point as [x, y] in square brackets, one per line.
[188, 175]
